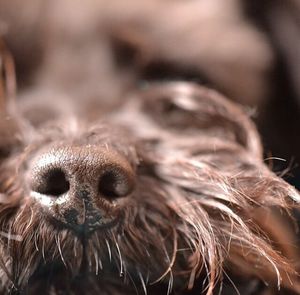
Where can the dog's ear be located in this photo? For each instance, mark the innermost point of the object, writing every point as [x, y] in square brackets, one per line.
[212, 154]
[187, 108]
[10, 130]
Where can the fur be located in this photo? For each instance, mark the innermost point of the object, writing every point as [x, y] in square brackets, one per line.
[193, 220]
[206, 215]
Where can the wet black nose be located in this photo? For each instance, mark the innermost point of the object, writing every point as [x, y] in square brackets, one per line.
[79, 186]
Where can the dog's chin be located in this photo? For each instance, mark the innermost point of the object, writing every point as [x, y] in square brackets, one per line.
[109, 277]
[55, 276]
[97, 262]
[76, 270]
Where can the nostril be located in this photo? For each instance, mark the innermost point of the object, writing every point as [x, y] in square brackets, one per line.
[115, 183]
[52, 182]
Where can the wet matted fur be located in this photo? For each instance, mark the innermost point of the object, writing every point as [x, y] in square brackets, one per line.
[205, 214]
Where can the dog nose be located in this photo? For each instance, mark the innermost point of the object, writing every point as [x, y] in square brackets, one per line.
[80, 186]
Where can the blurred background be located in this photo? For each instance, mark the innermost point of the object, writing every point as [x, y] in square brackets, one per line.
[91, 54]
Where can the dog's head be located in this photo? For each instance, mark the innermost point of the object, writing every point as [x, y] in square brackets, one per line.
[169, 190]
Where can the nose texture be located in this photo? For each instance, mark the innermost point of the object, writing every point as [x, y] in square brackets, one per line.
[79, 186]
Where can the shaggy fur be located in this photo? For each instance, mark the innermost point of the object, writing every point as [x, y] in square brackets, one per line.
[205, 213]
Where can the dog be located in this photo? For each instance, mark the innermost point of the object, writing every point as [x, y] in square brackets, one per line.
[114, 180]
[168, 194]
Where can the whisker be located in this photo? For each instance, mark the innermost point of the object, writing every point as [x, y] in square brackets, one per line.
[35, 241]
[57, 240]
[143, 282]
[108, 249]
[120, 258]
[170, 284]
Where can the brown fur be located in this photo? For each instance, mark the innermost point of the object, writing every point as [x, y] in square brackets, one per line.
[192, 221]
[97, 51]
[66, 42]
[206, 214]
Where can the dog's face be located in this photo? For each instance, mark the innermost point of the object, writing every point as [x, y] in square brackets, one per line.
[166, 192]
